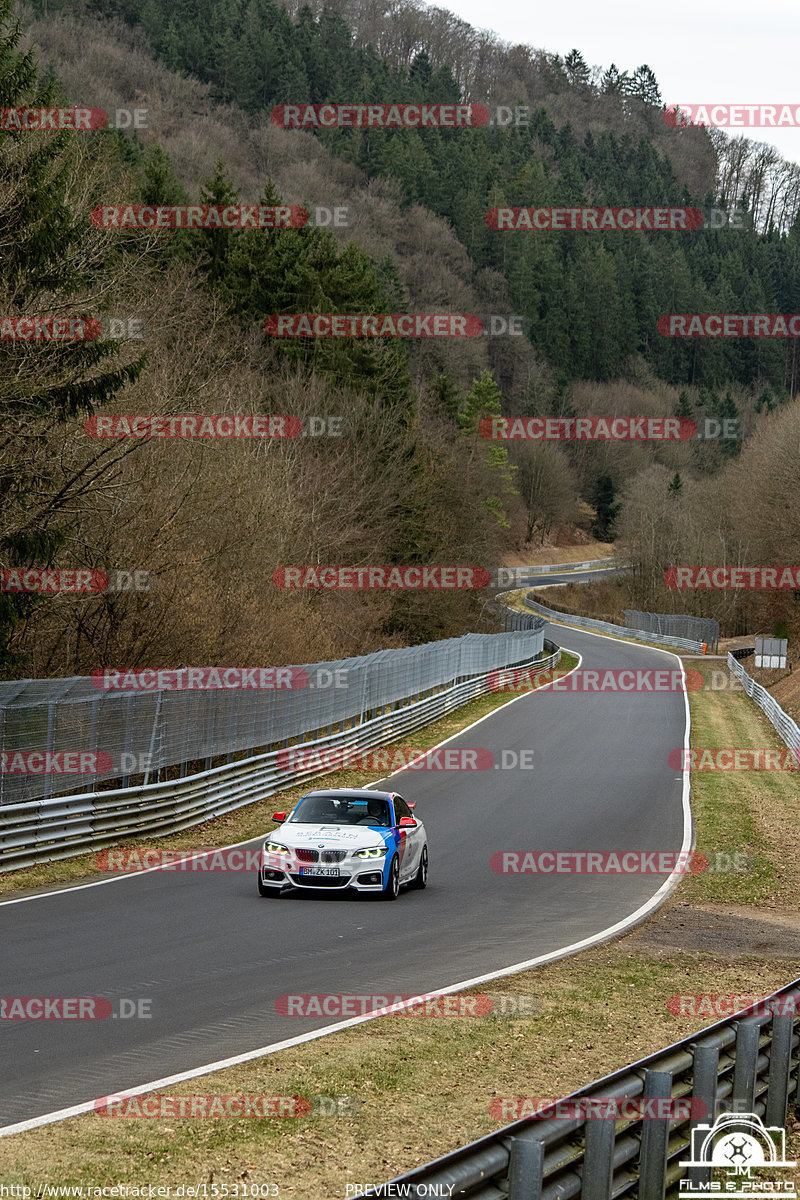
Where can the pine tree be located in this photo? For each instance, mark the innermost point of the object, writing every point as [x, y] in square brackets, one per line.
[606, 510]
[645, 85]
[53, 261]
[219, 189]
[577, 71]
[684, 407]
[481, 402]
[615, 82]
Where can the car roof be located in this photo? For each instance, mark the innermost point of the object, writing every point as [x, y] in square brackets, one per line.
[351, 794]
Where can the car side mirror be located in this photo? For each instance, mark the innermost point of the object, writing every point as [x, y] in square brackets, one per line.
[407, 823]
[279, 816]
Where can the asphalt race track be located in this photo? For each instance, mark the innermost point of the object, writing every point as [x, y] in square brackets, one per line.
[213, 957]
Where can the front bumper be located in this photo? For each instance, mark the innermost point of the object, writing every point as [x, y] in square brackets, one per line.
[365, 875]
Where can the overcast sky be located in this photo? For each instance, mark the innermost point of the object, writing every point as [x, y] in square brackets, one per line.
[725, 52]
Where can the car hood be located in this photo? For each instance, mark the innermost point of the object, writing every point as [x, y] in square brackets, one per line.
[329, 837]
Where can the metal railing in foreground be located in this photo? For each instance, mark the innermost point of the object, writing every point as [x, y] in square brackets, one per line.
[746, 1064]
[44, 830]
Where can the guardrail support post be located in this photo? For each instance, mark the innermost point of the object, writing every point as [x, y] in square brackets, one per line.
[525, 1168]
[744, 1073]
[780, 1061]
[705, 1073]
[598, 1159]
[655, 1138]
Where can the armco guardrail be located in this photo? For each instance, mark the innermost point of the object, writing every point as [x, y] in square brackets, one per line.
[746, 1064]
[638, 635]
[550, 568]
[786, 727]
[44, 830]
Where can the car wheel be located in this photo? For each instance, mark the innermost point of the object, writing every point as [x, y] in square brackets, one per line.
[392, 889]
[263, 890]
[420, 880]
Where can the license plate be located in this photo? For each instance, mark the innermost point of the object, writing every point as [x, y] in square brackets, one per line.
[334, 871]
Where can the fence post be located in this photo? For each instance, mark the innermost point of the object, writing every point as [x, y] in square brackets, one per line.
[704, 1087]
[748, 1032]
[598, 1159]
[655, 1139]
[51, 720]
[156, 719]
[780, 1062]
[525, 1169]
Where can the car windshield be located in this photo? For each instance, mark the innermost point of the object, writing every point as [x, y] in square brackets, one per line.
[342, 810]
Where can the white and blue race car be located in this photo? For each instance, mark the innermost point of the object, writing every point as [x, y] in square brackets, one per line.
[345, 838]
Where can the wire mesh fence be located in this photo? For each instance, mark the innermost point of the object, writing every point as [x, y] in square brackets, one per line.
[702, 629]
[598, 626]
[62, 735]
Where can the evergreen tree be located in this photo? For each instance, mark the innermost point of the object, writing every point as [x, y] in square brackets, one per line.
[50, 264]
[577, 71]
[482, 402]
[602, 498]
[684, 407]
[645, 85]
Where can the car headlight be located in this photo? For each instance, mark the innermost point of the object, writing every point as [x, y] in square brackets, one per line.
[376, 852]
[276, 848]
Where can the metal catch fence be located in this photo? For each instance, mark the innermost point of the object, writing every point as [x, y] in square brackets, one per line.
[46, 829]
[597, 626]
[703, 629]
